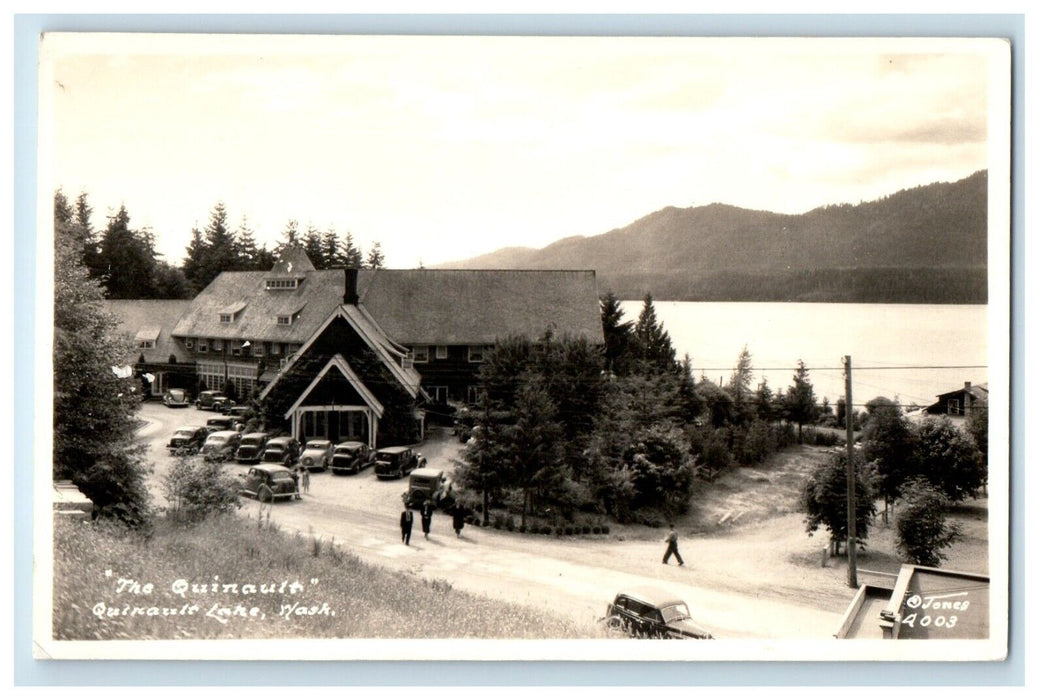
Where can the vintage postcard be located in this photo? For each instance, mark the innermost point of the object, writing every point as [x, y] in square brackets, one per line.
[516, 348]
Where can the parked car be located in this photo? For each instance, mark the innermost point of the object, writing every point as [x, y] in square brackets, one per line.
[316, 455]
[221, 446]
[267, 482]
[395, 462]
[213, 401]
[251, 447]
[431, 485]
[237, 412]
[351, 457]
[652, 613]
[187, 439]
[281, 450]
[176, 398]
[224, 423]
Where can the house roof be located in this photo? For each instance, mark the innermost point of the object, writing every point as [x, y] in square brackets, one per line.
[151, 319]
[978, 391]
[315, 297]
[459, 307]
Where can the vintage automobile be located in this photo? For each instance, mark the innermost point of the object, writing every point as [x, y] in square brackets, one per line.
[267, 482]
[281, 450]
[213, 401]
[396, 462]
[351, 458]
[187, 440]
[251, 447]
[431, 485]
[651, 613]
[237, 412]
[224, 423]
[316, 455]
[221, 446]
[175, 398]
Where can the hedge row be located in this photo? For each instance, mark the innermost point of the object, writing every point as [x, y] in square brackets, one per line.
[509, 524]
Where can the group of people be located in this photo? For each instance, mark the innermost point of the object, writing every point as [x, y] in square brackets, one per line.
[427, 510]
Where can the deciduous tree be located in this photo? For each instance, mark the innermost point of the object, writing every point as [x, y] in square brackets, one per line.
[923, 531]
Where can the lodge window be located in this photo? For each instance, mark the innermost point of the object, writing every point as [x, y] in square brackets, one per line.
[292, 348]
[203, 346]
[421, 353]
[234, 349]
[438, 394]
[283, 320]
[476, 353]
[277, 348]
[259, 349]
[473, 394]
[216, 345]
[281, 284]
[953, 407]
[441, 352]
[225, 318]
[188, 343]
[146, 345]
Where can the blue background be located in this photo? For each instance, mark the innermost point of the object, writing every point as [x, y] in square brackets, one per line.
[28, 671]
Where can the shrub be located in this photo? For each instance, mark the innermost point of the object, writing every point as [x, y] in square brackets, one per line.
[560, 531]
[510, 524]
[606, 529]
[546, 530]
[196, 488]
[586, 530]
[922, 529]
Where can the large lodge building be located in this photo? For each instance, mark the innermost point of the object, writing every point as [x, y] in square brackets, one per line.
[351, 354]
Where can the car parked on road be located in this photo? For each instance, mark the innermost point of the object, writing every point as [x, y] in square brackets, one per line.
[176, 398]
[316, 455]
[431, 485]
[268, 482]
[187, 440]
[221, 446]
[281, 450]
[396, 462]
[251, 447]
[351, 457]
[213, 401]
[651, 613]
[224, 423]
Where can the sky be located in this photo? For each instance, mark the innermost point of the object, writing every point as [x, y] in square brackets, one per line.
[443, 148]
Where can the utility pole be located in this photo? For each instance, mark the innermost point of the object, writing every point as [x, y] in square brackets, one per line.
[851, 482]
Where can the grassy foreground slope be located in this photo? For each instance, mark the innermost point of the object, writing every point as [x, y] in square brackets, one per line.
[230, 577]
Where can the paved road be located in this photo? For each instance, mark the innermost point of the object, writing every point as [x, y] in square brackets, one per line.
[575, 577]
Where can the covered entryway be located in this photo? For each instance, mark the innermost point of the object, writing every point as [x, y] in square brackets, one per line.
[336, 406]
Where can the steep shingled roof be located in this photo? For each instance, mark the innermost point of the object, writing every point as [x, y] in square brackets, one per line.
[457, 307]
[318, 294]
[151, 318]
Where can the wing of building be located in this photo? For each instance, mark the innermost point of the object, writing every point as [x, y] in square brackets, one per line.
[353, 354]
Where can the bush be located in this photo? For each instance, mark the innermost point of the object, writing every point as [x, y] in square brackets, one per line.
[546, 530]
[586, 530]
[922, 529]
[196, 488]
[510, 524]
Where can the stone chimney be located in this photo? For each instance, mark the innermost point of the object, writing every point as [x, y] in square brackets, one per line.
[351, 296]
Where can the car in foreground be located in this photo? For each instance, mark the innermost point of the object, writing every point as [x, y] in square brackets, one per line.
[268, 482]
[221, 446]
[647, 612]
[351, 457]
[317, 455]
[187, 440]
[176, 398]
[396, 462]
[251, 447]
[213, 401]
[428, 485]
[281, 450]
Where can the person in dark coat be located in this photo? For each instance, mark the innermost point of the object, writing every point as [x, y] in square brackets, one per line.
[673, 545]
[459, 519]
[406, 525]
[426, 517]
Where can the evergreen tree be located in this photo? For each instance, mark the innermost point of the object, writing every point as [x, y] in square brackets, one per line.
[245, 246]
[800, 400]
[193, 266]
[765, 408]
[94, 410]
[86, 235]
[740, 388]
[376, 259]
[127, 259]
[653, 347]
[350, 253]
[314, 247]
[332, 255]
[266, 259]
[221, 250]
[617, 334]
[536, 440]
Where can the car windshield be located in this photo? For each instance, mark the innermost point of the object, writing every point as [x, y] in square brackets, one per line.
[216, 439]
[675, 612]
[184, 433]
[250, 441]
[316, 445]
[176, 393]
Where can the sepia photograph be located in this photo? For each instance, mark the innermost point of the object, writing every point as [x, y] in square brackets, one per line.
[388, 347]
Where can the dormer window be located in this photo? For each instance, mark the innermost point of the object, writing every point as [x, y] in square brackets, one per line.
[225, 318]
[230, 313]
[284, 320]
[282, 283]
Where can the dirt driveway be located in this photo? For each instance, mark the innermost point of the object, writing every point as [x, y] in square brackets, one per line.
[762, 579]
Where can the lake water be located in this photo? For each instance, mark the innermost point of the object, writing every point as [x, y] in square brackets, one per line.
[876, 336]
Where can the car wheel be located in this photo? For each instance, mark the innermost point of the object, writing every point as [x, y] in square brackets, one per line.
[615, 623]
[264, 494]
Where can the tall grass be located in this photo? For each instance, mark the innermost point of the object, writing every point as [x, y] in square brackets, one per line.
[365, 601]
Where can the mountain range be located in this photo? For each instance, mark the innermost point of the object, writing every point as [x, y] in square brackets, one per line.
[927, 244]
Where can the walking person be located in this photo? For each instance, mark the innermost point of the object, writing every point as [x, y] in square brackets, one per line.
[304, 479]
[459, 519]
[673, 545]
[406, 525]
[426, 517]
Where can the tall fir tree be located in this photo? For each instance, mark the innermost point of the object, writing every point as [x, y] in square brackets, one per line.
[127, 259]
[617, 334]
[195, 260]
[653, 347]
[221, 245]
[245, 246]
[314, 247]
[332, 255]
[350, 253]
[376, 258]
[800, 400]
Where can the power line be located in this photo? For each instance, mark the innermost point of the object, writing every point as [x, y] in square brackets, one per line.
[839, 368]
